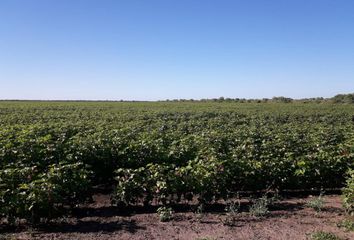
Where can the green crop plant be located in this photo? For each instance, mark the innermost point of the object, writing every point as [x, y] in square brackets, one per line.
[316, 203]
[165, 214]
[53, 155]
[348, 193]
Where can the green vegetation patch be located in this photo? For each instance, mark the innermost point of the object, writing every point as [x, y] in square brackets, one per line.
[53, 154]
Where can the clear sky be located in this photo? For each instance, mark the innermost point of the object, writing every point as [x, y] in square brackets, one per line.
[165, 49]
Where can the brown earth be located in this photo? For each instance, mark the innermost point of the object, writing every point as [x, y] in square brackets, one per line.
[290, 219]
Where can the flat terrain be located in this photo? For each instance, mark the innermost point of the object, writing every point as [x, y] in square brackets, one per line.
[55, 157]
[290, 219]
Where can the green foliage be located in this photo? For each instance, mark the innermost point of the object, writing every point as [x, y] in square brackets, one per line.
[343, 98]
[165, 214]
[320, 235]
[259, 207]
[132, 185]
[348, 193]
[282, 99]
[347, 224]
[53, 153]
[31, 194]
[317, 203]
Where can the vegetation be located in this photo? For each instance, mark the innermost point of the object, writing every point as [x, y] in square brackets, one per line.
[317, 203]
[348, 193]
[165, 213]
[260, 206]
[232, 210]
[347, 224]
[340, 98]
[344, 98]
[324, 236]
[52, 154]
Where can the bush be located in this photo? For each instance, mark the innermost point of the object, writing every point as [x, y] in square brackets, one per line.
[165, 214]
[348, 193]
[259, 208]
[316, 203]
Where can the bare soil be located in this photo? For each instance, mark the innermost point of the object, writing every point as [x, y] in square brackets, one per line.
[290, 219]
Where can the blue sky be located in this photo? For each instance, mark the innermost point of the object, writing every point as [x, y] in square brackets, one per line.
[150, 49]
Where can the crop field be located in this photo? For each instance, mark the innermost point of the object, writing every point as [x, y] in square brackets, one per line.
[55, 155]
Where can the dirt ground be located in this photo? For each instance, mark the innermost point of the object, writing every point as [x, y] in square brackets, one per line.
[290, 219]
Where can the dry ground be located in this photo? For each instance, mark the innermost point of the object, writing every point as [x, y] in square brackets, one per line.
[291, 219]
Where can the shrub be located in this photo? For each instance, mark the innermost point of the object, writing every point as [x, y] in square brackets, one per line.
[348, 193]
[165, 213]
[259, 208]
[316, 203]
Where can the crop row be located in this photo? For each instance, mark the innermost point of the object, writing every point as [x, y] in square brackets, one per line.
[52, 157]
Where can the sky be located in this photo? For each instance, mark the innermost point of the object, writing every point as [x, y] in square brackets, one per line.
[168, 49]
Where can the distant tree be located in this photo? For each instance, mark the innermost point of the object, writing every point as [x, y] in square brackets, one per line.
[343, 98]
[319, 99]
[282, 99]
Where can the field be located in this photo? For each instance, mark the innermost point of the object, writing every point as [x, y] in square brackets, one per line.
[57, 158]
